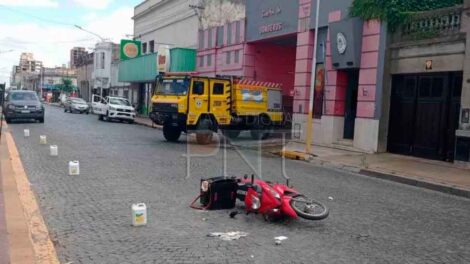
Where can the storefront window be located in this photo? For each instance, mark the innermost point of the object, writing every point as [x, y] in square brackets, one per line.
[319, 91]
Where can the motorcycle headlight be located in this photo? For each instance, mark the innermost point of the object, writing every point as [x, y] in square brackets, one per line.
[255, 203]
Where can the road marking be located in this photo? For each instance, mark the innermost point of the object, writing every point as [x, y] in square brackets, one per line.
[43, 247]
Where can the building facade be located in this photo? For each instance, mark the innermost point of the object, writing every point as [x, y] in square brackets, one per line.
[374, 91]
[75, 54]
[105, 79]
[84, 67]
[26, 74]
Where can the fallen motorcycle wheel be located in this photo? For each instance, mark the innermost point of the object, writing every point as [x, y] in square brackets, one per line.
[309, 209]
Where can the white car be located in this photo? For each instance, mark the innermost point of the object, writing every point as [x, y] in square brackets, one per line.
[110, 108]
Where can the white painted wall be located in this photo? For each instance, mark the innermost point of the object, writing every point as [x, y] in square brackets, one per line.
[102, 71]
[169, 22]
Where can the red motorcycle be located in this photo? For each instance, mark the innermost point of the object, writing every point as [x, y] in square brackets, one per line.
[278, 200]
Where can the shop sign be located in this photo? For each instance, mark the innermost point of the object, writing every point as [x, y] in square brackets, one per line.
[271, 18]
[163, 59]
[130, 49]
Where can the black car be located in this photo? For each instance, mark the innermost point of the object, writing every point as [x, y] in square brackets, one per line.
[24, 105]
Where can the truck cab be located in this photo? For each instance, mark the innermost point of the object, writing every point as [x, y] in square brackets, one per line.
[187, 103]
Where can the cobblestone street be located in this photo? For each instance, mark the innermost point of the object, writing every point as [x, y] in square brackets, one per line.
[89, 216]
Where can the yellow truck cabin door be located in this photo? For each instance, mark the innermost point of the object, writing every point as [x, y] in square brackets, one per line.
[198, 99]
[220, 100]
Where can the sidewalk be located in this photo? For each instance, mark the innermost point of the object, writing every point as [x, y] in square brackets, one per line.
[436, 175]
[24, 237]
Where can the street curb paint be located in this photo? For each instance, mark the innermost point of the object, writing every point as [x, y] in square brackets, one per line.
[417, 183]
[43, 247]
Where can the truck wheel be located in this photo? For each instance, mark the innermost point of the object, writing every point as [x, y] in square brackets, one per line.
[171, 133]
[261, 129]
[204, 132]
[232, 134]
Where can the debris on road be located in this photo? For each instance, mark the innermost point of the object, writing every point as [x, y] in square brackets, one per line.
[278, 240]
[26, 133]
[43, 140]
[233, 214]
[330, 198]
[229, 236]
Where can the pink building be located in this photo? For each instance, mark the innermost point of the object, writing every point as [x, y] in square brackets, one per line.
[361, 68]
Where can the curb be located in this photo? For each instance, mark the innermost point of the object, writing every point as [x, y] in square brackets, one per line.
[147, 125]
[417, 183]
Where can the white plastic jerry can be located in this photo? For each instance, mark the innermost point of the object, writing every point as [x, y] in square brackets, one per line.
[54, 150]
[26, 133]
[139, 214]
[43, 140]
[74, 168]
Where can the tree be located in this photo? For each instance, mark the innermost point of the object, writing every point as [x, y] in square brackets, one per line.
[66, 86]
[396, 12]
[213, 13]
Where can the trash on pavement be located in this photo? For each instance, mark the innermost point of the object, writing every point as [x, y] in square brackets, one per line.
[26, 133]
[229, 235]
[43, 140]
[233, 214]
[54, 151]
[74, 168]
[330, 198]
[139, 214]
[278, 240]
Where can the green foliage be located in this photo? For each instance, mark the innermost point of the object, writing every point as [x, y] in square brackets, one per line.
[66, 86]
[396, 12]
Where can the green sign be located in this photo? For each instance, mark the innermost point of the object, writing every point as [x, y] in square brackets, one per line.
[130, 49]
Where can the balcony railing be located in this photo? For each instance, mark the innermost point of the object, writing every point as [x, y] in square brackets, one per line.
[432, 24]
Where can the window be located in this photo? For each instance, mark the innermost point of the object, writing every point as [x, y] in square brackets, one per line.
[220, 36]
[209, 38]
[228, 59]
[152, 46]
[198, 88]
[229, 34]
[209, 60]
[237, 31]
[218, 89]
[102, 60]
[201, 61]
[201, 39]
[237, 56]
[144, 48]
[126, 94]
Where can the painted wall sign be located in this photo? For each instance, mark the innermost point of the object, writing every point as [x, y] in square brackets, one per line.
[271, 18]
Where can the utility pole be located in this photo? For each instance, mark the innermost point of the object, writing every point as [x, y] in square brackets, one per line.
[309, 134]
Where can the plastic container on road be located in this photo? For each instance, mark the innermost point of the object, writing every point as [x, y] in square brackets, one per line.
[43, 140]
[139, 214]
[74, 168]
[26, 133]
[54, 151]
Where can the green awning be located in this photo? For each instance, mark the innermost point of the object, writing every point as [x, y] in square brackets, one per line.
[141, 69]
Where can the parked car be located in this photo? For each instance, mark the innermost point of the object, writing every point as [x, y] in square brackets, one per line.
[24, 105]
[73, 104]
[110, 108]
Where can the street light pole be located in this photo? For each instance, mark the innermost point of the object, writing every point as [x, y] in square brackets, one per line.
[309, 134]
[89, 32]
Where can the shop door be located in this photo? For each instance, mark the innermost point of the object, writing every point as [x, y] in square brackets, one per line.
[351, 104]
[423, 116]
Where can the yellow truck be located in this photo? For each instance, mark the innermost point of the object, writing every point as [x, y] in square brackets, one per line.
[203, 105]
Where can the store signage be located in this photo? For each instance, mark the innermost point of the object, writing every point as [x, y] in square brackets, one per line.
[163, 58]
[271, 18]
[270, 28]
[130, 49]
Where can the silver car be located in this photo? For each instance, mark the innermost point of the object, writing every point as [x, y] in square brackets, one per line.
[78, 105]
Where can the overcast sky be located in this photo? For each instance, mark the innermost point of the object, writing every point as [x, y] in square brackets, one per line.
[45, 28]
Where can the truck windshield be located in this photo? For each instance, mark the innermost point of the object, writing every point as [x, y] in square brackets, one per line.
[172, 87]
